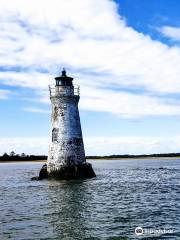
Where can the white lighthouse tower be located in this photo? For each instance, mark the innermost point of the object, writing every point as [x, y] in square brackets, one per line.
[66, 159]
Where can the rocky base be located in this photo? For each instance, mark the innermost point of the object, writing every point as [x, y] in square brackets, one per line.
[69, 172]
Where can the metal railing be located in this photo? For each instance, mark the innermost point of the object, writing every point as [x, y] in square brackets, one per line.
[58, 90]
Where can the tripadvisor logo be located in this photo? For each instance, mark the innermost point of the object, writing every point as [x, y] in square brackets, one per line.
[139, 231]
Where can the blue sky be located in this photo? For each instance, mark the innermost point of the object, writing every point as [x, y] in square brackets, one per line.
[124, 54]
[145, 16]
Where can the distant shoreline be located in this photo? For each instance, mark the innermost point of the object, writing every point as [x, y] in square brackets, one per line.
[131, 158]
[13, 157]
[24, 161]
[92, 159]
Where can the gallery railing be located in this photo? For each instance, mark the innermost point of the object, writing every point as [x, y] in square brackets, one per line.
[63, 91]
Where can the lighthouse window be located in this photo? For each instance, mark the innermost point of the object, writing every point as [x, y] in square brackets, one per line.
[55, 134]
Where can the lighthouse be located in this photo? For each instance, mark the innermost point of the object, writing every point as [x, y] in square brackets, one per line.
[66, 158]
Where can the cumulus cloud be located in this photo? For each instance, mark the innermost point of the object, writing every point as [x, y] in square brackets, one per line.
[93, 41]
[171, 32]
[127, 105]
[131, 145]
[36, 110]
[97, 145]
[34, 145]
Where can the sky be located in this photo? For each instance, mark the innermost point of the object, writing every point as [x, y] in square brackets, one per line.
[124, 54]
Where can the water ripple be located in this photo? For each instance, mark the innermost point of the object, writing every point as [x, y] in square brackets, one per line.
[125, 194]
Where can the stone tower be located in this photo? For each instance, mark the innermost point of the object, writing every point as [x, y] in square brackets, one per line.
[66, 159]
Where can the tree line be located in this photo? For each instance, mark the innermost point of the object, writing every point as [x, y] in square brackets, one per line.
[136, 156]
[12, 156]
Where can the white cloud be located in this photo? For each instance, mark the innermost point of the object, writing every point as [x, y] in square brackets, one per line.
[127, 105]
[131, 145]
[36, 110]
[97, 145]
[34, 80]
[34, 145]
[88, 36]
[171, 32]
[4, 94]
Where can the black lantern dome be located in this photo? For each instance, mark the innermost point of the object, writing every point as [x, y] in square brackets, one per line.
[64, 80]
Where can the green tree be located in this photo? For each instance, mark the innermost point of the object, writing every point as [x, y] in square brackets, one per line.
[12, 154]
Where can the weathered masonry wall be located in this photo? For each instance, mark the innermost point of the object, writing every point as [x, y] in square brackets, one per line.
[66, 143]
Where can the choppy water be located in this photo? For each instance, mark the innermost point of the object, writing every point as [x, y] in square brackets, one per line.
[126, 194]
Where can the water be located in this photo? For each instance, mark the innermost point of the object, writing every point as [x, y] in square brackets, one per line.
[126, 194]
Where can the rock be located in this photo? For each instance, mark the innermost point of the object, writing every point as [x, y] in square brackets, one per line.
[35, 178]
[80, 171]
[43, 172]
